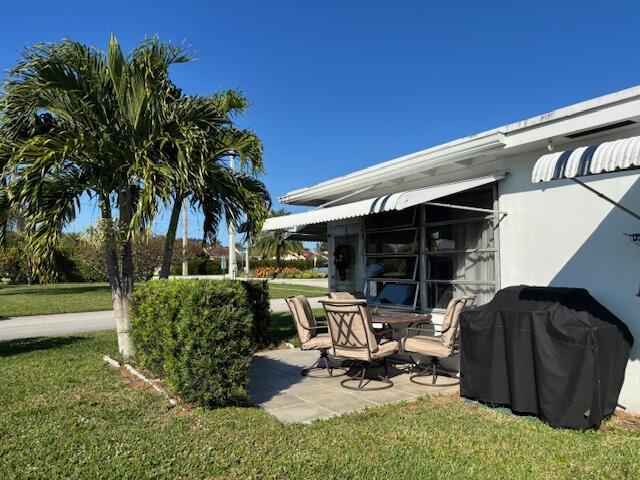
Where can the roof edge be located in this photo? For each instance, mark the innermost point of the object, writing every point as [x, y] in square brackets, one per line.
[458, 148]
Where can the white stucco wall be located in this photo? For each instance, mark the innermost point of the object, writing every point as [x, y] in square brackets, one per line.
[560, 234]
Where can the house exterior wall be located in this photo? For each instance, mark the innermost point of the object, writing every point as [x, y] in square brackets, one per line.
[560, 234]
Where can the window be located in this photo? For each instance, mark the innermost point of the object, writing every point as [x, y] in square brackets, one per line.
[460, 249]
[392, 259]
[456, 257]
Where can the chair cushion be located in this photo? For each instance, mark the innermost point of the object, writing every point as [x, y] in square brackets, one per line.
[427, 345]
[321, 340]
[385, 349]
[303, 318]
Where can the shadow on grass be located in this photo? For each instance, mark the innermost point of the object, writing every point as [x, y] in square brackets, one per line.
[16, 347]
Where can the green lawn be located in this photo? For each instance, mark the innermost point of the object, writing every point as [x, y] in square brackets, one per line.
[65, 414]
[17, 300]
[282, 290]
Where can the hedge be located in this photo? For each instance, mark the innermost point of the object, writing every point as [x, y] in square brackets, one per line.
[206, 266]
[199, 335]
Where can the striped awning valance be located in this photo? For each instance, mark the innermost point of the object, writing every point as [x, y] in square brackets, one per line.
[605, 157]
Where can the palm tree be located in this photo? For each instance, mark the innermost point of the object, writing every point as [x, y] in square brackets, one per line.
[276, 243]
[221, 192]
[111, 122]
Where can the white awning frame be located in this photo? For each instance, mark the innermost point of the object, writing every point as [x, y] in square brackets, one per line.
[385, 203]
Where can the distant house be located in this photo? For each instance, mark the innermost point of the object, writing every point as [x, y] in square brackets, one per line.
[217, 251]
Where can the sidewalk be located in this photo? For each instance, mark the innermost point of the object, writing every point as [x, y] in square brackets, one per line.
[13, 328]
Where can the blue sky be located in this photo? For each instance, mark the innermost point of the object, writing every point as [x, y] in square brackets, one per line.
[340, 85]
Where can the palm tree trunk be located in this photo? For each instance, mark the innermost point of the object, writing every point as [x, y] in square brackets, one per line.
[278, 256]
[113, 269]
[123, 322]
[170, 238]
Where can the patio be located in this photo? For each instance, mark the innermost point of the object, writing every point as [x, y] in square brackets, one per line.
[277, 386]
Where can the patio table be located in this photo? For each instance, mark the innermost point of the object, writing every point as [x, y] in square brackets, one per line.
[398, 321]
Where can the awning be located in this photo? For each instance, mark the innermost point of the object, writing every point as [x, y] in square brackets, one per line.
[385, 203]
[606, 157]
[601, 158]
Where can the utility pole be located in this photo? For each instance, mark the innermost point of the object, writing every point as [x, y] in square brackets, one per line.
[185, 264]
[232, 232]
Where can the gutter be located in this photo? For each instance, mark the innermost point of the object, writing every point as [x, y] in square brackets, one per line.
[414, 163]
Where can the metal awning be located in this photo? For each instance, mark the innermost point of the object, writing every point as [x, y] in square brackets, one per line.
[385, 203]
[600, 158]
[607, 157]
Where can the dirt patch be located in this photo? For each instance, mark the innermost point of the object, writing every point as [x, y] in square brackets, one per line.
[444, 399]
[624, 420]
[134, 382]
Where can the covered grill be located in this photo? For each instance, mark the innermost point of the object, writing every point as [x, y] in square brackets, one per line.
[552, 352]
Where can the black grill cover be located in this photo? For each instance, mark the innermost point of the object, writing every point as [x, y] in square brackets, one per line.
[552, 352]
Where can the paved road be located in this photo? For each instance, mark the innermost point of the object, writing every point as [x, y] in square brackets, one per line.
[67, 323]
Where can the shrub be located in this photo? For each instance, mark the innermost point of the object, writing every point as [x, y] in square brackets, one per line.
[199, 335]
[264, 272]
[287, 272]
[199, 266]
[299, 264]
[258, 296]
[13, 264]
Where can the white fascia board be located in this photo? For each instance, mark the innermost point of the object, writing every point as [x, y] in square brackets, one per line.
[581, 116]
[584, 121]
[411, 164]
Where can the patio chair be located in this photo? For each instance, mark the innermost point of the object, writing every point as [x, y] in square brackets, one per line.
[310, 337]
[354, 339]
[442, 344]
[377, 327]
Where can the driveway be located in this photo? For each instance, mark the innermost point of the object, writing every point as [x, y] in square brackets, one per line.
[68, 323]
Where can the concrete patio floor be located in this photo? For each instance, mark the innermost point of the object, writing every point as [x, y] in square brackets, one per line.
[277, 386]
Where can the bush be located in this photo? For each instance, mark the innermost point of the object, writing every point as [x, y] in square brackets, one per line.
[299, 264]
[207, 266]
[199, 266]
[258, 296]
[13, 264]
[199, 335]
[287, 272]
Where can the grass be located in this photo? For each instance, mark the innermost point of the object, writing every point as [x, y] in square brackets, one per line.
[65, 414]
[282, 290]
[18, 300]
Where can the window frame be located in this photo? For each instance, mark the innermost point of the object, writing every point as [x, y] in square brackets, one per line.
[415, 280]
[421, 253]
[425, 253]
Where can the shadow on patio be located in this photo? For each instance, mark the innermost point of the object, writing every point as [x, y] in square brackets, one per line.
[277, 386]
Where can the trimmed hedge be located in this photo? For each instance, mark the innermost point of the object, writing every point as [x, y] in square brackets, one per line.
[206, 266]
[199, 335]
